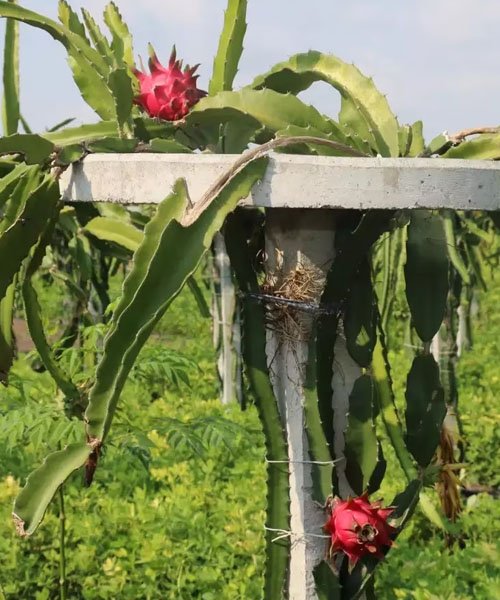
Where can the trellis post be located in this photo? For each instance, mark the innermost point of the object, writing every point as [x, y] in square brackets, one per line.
[302, 194]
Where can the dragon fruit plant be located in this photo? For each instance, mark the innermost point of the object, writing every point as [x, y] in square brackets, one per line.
[164, 111]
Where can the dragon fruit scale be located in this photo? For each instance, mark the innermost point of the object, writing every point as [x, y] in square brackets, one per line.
[358, 527]
[168, 93]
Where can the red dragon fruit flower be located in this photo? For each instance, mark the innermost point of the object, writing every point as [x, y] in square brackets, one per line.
[168, 93]
[358, 527]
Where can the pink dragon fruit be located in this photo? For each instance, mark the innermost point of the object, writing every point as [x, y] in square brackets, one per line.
[358, 527]
[168, 93]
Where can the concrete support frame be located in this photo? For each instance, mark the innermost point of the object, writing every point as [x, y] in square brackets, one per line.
[300, 193]
[297, 241]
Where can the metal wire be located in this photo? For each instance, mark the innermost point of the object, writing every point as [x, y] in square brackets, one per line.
[308, 307]
[284, 533]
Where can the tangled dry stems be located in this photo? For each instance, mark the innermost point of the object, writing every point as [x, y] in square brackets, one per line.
[302, 284]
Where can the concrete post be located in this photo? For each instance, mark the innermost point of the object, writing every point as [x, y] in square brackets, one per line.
[226, 330]
[302, 239]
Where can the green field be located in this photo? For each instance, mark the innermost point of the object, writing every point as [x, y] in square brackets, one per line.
[176, 510]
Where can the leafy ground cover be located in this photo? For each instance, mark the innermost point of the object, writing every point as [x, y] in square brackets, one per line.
[177, 506]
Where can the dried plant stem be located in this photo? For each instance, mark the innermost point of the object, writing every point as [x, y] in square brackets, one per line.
[460, 136]
[253, 154]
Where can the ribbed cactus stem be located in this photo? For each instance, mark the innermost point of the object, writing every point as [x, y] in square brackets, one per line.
[342, 383]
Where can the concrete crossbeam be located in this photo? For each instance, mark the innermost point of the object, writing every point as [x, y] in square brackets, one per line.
[293, 181]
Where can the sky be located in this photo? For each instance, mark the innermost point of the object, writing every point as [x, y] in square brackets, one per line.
[436, 60]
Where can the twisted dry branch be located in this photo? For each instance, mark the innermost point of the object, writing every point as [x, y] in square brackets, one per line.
[192, 215]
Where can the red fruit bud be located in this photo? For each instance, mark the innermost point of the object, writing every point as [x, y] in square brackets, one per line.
[168, 92]
[359, 528]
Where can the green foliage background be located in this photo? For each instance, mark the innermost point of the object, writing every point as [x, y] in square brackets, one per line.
[162, 520]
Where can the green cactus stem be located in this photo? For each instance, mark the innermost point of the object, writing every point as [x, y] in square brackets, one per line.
[254, 344]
